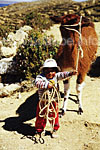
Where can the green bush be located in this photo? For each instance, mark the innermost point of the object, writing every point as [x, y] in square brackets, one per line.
[5, 29]
[32, 54]
[37, 20]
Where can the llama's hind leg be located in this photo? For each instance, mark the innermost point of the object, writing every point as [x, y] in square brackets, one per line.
[79, 88]
[66, 95]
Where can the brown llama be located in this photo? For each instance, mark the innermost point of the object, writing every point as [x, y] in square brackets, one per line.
[77, 51]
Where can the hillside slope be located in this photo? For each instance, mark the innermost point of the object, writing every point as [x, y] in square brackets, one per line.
[16, 15]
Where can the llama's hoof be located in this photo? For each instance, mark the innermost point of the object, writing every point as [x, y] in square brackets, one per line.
[62, 113]
[80, 111]
[77, 102]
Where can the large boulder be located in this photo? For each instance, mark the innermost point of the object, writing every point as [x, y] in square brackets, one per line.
[20, 36]
[26, 28]
[14, 40]
[9, 89]
[11, 36]
[5, 65]
[8, 51]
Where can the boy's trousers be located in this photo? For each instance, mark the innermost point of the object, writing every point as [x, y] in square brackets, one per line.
[41, 121]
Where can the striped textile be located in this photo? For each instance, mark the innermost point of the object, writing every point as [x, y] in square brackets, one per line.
[42, 82]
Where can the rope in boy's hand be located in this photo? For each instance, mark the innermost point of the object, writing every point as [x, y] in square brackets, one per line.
[53, 82]
[46, 105]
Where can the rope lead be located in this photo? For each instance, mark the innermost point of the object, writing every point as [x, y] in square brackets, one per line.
[80, 39]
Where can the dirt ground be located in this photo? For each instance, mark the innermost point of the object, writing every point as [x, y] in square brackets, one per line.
[76, 132]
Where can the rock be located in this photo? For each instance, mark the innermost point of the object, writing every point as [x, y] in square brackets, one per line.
[92, 17]
[27, 85]
[6, 59]
[9, 89]
[12, 88]
[88, 12]
[26, 28]
[82, 13]
[76, 7]
[83, 5]
[11, 37]
[8, 51]
[1, 44]
[20, 36]
[71, 11]
[3, 93]
[6, 15]
[1, 86]
[93, 1]
[2, 22]
[65, 13]
[5, 64]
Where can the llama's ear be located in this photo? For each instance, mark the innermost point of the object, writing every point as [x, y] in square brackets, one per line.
[87, 22]
[56, 19]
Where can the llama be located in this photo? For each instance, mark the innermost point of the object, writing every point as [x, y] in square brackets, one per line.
[77, 51]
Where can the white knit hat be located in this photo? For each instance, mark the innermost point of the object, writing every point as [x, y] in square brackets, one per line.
[50, 63]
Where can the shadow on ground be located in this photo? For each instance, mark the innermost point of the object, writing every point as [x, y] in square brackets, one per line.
[25, 112]
[95, 68]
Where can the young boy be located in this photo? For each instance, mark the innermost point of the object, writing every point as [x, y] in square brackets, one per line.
[46, 80]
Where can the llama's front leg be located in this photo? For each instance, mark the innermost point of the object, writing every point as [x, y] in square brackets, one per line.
[66, 95]
[79, 88]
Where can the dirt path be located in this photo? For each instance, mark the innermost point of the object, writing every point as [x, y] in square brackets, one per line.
[77, 132]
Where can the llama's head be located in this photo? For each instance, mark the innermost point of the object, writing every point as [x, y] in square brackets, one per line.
[70, 19]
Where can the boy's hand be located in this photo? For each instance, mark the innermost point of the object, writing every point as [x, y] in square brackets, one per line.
[51, 84]
[52, 81]
[73, 72]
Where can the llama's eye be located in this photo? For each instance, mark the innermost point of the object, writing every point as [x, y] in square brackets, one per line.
[73, 21]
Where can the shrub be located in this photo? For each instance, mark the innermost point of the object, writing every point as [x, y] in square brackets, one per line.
[33, 52]
[38, 20]
[5, 29]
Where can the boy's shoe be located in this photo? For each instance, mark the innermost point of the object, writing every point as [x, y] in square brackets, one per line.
[54, 134]
[40, 133]
[47, 133]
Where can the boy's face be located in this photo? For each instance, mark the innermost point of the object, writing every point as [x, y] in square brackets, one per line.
[49, 73]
